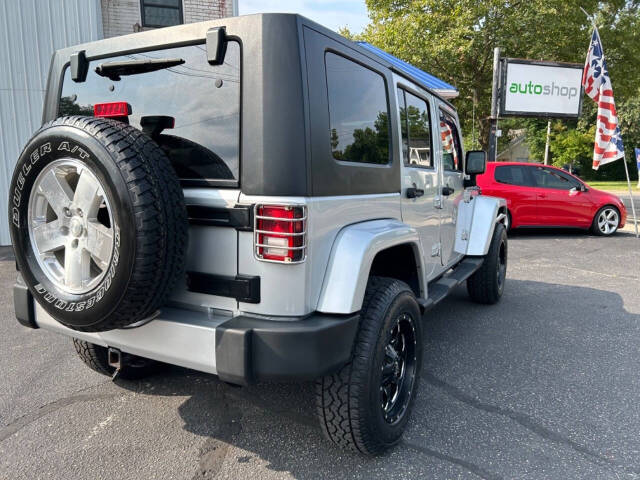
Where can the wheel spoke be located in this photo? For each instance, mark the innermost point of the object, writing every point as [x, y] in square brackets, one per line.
[387, 391]
[391, 353]
[387, 371]
[99, 243]
[57, 192]
[87, 196]
[76, 267]
[48, 237]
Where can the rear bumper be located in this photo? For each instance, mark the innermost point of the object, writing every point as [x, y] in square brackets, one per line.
[251, 349]
[239, 350]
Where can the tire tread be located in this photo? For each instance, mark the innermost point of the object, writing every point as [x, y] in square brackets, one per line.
[159, 212]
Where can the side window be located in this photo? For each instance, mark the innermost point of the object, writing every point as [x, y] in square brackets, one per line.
[549, 178]
[358, 112]
[416, 130]
[451, 151]
[511, 175]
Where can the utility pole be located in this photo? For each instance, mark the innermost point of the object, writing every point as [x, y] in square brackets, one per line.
[546, 147]
[495, 111]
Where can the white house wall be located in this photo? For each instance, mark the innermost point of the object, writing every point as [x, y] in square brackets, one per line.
[30, 31]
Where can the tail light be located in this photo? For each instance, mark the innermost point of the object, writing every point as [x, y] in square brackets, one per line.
[117, 110]
[280, 233]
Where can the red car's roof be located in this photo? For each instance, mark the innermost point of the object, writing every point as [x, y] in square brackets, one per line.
[494, 164]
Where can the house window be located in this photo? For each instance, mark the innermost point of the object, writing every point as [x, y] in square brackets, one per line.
[161, 13]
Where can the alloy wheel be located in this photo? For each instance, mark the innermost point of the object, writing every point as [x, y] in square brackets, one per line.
[398, 369]
[71, 226]
[608, 221]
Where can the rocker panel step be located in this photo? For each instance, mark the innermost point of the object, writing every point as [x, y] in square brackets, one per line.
[440, 289]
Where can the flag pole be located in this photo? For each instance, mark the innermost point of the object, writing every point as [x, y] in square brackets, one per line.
[592, 19]
[633, 207]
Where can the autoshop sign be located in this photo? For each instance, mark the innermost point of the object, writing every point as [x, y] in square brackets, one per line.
[540, 89]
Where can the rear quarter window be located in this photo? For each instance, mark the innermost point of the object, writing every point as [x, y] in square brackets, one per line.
[358, 112]
[203, 100]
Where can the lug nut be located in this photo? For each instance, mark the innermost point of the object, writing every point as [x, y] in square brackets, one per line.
[67, 212]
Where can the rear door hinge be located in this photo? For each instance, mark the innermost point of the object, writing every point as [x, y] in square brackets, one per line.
[435, 249]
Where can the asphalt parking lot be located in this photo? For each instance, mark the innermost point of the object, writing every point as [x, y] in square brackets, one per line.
[546, 384]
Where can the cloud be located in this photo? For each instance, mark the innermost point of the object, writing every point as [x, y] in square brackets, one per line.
[330, 13]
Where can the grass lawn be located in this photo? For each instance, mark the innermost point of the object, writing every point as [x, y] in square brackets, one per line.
[615, 186]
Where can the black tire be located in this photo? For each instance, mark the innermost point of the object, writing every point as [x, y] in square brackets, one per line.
[486, 285]
[351, 402]
[96, 358]
[595, 227]
[149, 218]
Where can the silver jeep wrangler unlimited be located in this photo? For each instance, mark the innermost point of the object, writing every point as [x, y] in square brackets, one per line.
[257, 198]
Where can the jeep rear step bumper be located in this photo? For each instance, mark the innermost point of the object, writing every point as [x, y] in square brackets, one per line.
[239, 350]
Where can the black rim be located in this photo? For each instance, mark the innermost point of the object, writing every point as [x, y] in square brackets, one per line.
[502, 265]
[398, 369]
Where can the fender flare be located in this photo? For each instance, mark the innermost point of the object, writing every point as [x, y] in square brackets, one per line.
[475, 223]
[351, 257]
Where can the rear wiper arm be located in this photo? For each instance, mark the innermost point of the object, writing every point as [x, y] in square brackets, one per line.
[113, 70]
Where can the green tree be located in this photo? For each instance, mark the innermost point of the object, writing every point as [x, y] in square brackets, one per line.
[69, 107]
[454, 40]
[370, 145]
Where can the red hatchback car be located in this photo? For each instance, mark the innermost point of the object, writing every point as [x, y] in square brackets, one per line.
[543, 196]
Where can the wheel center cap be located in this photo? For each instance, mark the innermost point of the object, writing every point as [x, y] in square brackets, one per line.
[76, 227]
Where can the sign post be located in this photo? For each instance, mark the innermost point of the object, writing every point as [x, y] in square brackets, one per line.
[495, 102]
[547, 145]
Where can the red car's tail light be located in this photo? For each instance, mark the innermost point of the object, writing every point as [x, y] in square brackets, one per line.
[280, 233]
[112, 110]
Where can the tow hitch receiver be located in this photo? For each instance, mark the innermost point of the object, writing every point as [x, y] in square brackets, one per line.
[114, 357]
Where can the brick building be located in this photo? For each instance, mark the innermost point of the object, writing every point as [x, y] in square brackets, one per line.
[120, 17]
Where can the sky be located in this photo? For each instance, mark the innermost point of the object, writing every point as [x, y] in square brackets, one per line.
[330, 13]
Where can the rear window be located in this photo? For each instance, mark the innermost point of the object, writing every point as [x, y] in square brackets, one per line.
[203, 101]
[358, 112]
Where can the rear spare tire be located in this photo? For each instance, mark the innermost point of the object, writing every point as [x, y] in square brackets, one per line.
[98, 222]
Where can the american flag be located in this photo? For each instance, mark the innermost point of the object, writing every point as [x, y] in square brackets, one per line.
[597, 84]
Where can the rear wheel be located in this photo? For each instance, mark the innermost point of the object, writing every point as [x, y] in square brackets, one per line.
[97, 359]
[366, 405]
[486, 285]
[606, 221]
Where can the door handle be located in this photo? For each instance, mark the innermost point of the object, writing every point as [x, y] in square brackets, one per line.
[413, 192]
[446, 191]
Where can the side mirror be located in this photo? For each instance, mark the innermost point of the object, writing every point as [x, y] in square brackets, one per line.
[476, 162]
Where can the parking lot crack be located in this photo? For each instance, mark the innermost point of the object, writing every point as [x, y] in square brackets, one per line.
[21, 422]
[471, 467]
[524, 420]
